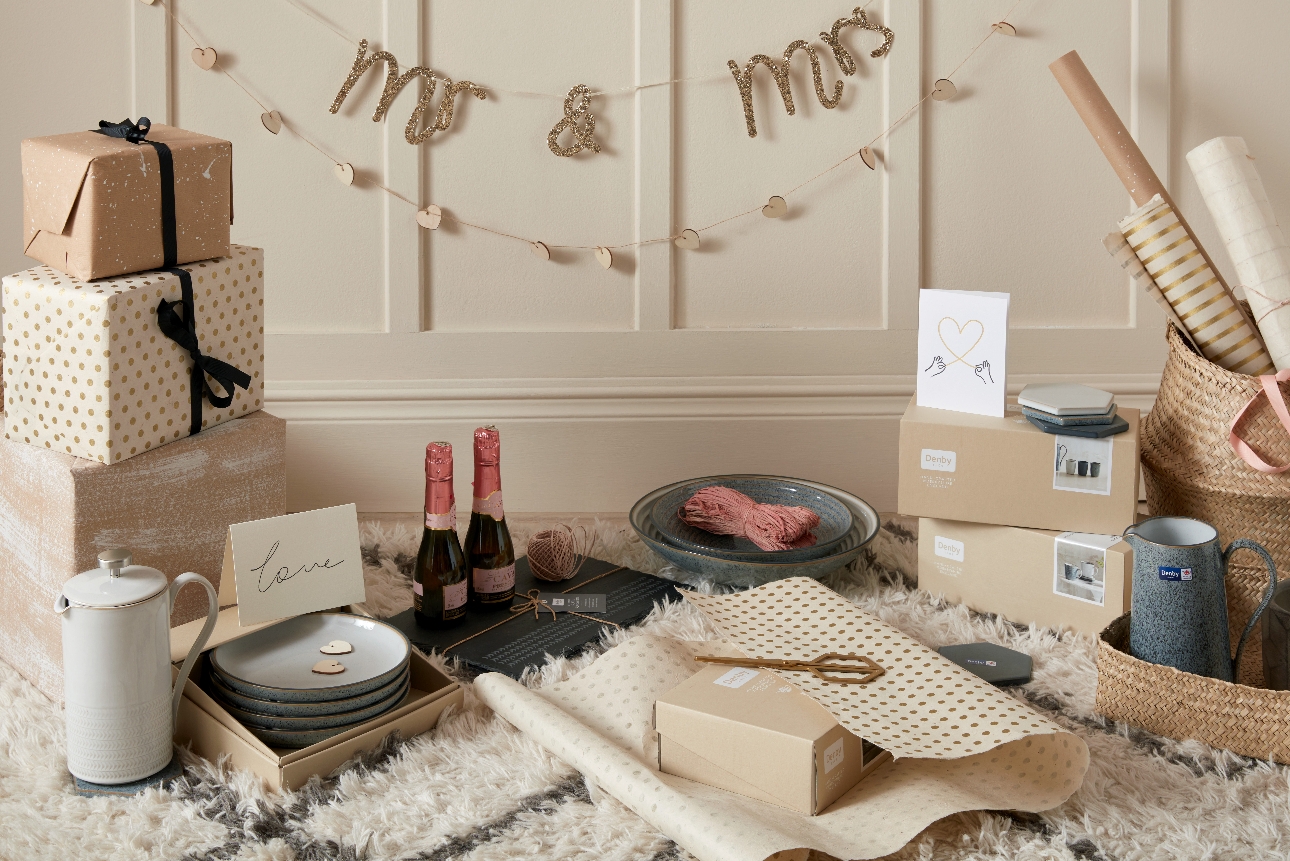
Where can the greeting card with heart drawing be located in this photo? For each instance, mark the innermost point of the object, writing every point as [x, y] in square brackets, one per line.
[962, 351]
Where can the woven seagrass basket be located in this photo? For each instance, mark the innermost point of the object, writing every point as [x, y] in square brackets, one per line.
[1191, 471]
[1247, 720]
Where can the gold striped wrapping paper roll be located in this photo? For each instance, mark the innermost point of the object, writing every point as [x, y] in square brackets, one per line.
[1194, 290]
[1119, 248]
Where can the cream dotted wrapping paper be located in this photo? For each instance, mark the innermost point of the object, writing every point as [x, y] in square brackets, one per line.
[88, 372]
[600, 722]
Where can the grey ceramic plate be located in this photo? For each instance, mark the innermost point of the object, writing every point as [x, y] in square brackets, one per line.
[227, 696]
[304, 738]
[256, 722]
[835, 519]
[276, 663]
[745, 574]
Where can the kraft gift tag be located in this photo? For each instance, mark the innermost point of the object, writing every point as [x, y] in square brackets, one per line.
[963, 351]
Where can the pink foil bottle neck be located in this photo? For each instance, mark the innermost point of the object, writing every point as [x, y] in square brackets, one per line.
[488, 454]
[439, 497]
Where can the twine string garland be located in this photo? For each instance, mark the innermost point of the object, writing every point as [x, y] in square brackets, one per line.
[368, 180]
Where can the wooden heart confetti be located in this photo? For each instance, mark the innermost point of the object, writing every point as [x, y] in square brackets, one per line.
[604, 257]
[205, 58]
[869, 159]
[337, 647]
[1003, 28]
[345, 173]
[430, 217]
[689, 240]
[777, 207]
[944, 89]
[329, 667]
[271, 120]
[540, 250]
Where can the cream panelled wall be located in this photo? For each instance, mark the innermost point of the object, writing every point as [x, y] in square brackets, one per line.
[780, 346]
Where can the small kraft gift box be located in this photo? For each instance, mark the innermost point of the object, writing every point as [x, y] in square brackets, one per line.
[1073, 580]
[214, 733]
[126, 197]
[1006, 471]
[106, 370]
[751, 732]
[171, 507]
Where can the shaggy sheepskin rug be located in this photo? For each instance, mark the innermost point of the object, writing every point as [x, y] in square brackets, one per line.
[475, 787]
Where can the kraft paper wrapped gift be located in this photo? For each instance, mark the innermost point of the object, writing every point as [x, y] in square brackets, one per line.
[1031, 576]
[93, 204]
[752, 732]
[89, 371]
[1006, 471]
[170, 507]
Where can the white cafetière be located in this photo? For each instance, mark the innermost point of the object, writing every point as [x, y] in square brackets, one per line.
[120, 703]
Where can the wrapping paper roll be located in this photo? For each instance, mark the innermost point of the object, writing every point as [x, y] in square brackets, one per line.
[1133, 169]
[1119, 248]
[1234, 193]
[1193, 289]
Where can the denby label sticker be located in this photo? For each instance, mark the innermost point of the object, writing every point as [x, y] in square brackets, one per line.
[735, 678]
[1174, 574]
[940, 461]
[833, 755]
[948, 548]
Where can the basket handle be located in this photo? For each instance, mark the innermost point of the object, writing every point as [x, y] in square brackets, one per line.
[1277, 400]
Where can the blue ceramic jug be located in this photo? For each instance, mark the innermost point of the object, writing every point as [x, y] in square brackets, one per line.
[1179, 615]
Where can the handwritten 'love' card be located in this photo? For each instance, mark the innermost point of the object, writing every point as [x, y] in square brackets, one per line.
[294, 564]
[963, 351]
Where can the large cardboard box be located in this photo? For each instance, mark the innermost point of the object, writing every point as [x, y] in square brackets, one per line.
[1051, 579]
[89, 372]
[751, 732]
[170, 507]
[1005, 471]
[92, 204]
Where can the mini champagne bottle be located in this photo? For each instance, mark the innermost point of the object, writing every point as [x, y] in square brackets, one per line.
[488, 542]
[439, 581]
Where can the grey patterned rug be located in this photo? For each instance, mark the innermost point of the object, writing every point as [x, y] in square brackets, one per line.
[476, 788]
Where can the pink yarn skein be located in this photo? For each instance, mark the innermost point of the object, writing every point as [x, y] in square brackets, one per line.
[723, 511]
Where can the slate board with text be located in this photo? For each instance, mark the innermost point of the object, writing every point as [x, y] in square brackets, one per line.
[524, 642]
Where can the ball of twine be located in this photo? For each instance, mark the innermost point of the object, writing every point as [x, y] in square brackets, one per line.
[558, 554]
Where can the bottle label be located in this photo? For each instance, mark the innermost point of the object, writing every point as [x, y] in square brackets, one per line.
[490, 581]
[492, 506]
[454, 596]
[442, 521]
[417, 588]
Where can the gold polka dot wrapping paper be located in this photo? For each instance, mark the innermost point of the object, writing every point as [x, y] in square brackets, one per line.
[88, 371]
[960, 744]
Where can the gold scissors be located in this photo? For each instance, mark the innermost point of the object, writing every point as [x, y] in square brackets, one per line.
[863, 669]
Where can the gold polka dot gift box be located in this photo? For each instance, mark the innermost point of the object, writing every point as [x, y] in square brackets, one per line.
[104, 369]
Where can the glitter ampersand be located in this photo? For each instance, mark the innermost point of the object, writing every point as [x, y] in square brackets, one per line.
[578, 118]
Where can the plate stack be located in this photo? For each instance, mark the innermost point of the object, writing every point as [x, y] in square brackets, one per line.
[283, 684]
[847, 524]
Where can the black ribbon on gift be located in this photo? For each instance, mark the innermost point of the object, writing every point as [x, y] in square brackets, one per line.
[137, 133]
[183, 331]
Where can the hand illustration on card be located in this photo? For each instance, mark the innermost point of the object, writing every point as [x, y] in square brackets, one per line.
[962, 349]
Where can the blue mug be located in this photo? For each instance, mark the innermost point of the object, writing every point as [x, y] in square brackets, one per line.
[1179, 616]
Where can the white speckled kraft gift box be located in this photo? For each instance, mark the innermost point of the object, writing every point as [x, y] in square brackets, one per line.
[90, 372]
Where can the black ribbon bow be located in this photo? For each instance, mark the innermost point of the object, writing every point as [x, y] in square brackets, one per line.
[136, 133]
[183, 331]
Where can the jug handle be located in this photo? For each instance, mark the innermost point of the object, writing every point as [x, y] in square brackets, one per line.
[1247, 544]
[212, 614]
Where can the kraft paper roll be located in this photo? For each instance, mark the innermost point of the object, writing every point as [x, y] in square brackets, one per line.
[1193, 289]
[1133, 169]
[1234, 193]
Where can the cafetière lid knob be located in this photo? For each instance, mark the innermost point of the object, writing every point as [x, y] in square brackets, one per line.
[115, 560]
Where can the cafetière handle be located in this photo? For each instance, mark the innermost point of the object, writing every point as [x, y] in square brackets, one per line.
[1247, 544]
[212, 614]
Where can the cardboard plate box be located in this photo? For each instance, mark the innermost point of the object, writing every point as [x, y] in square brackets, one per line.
[214, 733]
[1006, 471]
[1052, 579]
[751, 732]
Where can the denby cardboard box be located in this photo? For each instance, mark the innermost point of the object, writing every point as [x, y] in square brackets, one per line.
[1052, 579]
[1005, 471]
[751, 732]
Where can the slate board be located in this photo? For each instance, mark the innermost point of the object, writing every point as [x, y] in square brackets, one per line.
[524, 642]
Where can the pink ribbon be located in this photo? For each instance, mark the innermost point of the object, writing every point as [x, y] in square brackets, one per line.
[1278, 403]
